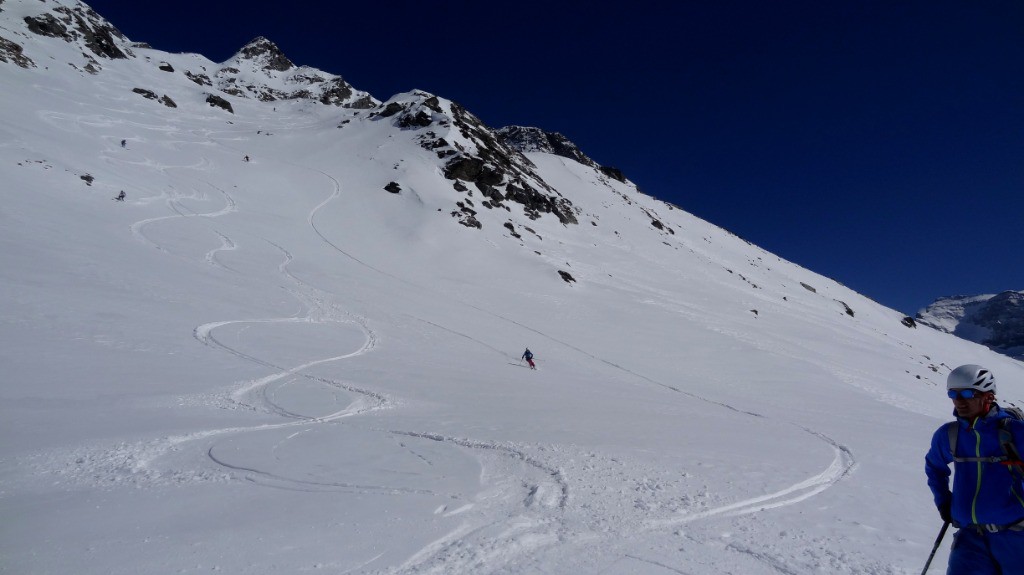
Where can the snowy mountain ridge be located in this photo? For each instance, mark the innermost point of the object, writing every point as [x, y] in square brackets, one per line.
[295, 345]
[993, 320]
[260, 70]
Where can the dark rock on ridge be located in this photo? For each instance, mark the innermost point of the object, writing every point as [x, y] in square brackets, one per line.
[74, 24]
[527, 139]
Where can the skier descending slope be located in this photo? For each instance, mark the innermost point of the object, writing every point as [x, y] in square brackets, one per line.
[528, 356]
[987, 500]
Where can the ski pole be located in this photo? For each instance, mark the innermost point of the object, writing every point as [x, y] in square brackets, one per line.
[938, 540]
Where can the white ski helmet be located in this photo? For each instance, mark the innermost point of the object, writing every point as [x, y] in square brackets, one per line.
[971, 376]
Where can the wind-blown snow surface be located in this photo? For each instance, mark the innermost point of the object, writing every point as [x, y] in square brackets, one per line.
[278, 367]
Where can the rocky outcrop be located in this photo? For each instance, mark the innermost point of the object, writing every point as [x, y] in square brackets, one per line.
[81, 25]
[475, 155]
[13, 52]
[494, 163]
[218, 102]
[526, 140]
[201, 79]
[151, 95]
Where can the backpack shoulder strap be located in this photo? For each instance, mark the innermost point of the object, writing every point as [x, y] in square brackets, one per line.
[1013, 459]
[952, 428]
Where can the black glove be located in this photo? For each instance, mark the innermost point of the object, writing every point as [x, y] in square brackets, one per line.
[945, 513]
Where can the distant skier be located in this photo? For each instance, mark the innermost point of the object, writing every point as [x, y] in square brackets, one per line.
[120, 197]
[124, 143]
[247, 158]
[528, 356]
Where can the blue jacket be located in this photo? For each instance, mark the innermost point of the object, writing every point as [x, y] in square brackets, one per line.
[983, 493]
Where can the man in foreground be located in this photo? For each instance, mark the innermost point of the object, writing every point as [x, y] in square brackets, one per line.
[987, 499]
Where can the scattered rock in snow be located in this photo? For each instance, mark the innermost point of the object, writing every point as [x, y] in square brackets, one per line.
[147, 94]
[12, 52]
[218, 102]
[849, 311]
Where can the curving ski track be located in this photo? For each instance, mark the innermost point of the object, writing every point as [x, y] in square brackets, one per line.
[482, 540]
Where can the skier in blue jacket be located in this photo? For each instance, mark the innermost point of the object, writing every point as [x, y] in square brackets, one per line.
[528, 356]
[986, 503]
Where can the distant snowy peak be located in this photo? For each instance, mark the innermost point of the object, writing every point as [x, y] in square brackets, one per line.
[261, 70]
[528, 139]
[996, 321]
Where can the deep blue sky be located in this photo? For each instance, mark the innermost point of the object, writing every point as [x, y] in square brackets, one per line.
[880, 143]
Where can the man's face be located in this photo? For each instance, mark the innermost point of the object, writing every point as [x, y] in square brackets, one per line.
[971, 407]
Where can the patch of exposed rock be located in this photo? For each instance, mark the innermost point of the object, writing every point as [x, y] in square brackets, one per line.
[527, 139]
[13, 52]
[474, 154]
[81, 25]
[218, 102]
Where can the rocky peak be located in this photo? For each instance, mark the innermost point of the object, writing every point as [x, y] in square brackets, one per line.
[81, 25]
[526, 139]
[472, 153]
[266, 54]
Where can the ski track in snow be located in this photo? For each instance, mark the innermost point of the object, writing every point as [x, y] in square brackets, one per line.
[842, 464]
[226, 245]
[488, 539]
[456, 553]
[466, 548]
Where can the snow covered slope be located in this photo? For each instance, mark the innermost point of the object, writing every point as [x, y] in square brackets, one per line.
[310, 360]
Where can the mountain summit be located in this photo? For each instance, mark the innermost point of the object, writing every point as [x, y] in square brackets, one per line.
[260, 70]
[265, 54]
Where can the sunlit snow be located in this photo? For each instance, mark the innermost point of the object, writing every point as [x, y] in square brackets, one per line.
[276, 366]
